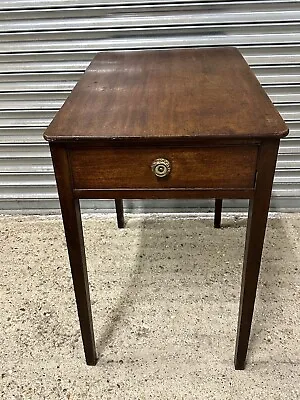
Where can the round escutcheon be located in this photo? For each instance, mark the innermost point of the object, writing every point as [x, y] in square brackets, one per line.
[161, 167]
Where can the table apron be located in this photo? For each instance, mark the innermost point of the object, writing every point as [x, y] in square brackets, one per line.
[163, 193]
[201, 168]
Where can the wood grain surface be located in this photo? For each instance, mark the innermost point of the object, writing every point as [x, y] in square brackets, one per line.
[211, 167]
[176, 94]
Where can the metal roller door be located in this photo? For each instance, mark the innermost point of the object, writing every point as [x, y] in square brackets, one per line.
[45, 46]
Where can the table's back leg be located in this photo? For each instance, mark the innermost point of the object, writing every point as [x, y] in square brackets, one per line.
[257, 219]
[120, 213]
[218, 212]
[70, 210]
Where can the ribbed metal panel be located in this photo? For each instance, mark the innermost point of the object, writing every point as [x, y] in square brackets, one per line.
[46, 45]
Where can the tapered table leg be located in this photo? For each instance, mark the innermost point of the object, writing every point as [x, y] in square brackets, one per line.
[120, 213]
[257, 219]
[70, 210]
[218, 212]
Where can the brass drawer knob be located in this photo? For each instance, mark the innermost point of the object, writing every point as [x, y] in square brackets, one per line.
[161, 167]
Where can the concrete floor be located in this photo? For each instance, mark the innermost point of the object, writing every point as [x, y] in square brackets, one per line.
[165, 301]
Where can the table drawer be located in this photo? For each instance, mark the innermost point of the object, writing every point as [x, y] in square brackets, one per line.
[130, 168]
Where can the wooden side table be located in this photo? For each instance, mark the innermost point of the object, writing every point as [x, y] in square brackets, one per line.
[187, 123]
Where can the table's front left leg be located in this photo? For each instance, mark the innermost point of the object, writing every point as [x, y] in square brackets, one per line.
[256, 227]
[70, 210]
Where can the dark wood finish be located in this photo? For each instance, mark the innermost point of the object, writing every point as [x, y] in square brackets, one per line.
[180, 94]
[258, 214]
[70, 210]
[158, 141]
[120, 213]
[218, 212]
[163, 193]
[204, 110]
[129, 168]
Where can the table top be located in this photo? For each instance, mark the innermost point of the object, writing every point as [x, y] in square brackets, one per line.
[181, 94]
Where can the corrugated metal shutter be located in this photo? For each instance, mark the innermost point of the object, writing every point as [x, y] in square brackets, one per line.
[45, 46]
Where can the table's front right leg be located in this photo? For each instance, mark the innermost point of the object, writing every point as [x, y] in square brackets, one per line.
[256, 227]
[70, 210]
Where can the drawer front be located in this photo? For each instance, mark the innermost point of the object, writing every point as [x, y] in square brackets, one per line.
[132, 168]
